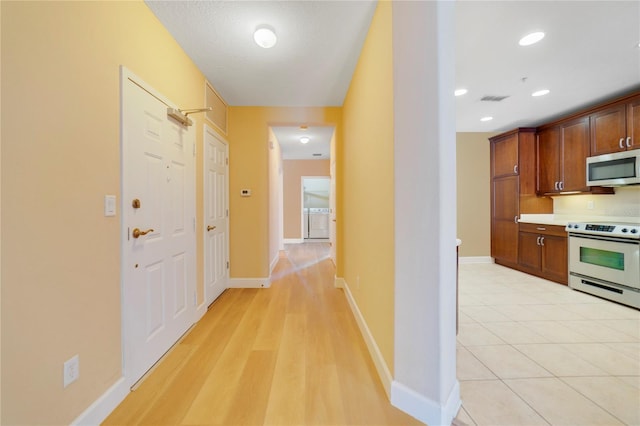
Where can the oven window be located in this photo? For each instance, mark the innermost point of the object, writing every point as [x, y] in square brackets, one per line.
[608, 259]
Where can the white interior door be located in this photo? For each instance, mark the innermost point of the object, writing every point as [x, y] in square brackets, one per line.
[216, 226]
[158, 263]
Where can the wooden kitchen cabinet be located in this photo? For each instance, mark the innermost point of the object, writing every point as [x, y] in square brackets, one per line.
[513, 191]
[504, 222]
[505, 156]
[562, 155]
[616, 128]
[542, 251]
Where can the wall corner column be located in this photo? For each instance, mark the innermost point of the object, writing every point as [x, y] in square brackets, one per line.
[425, 384]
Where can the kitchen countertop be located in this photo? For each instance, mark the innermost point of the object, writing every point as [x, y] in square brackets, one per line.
[562, 220]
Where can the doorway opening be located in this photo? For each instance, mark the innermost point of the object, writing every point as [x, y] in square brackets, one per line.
[316, 208]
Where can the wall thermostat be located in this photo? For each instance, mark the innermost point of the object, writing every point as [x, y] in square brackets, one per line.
[245, 193]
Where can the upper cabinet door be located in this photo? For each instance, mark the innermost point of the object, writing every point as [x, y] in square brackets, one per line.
[575, 150]
[633, 124]
[548, 160]
[504, 156]
[609, 130]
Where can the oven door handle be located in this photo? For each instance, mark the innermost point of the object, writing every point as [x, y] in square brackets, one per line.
[601, 238]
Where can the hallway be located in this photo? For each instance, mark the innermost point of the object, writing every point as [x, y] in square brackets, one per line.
[288, 355]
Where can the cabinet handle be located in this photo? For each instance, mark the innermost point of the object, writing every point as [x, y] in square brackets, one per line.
[561, 185]
[556, 186]
[538, 241]
[541, 241]
[515, 169]
[628, 141]
[620, 143]
[540, 228]
[515, 219]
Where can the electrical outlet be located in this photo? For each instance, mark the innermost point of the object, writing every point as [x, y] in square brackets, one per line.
[71, 370]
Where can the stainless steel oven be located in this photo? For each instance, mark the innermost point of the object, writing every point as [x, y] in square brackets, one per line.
[604, 260]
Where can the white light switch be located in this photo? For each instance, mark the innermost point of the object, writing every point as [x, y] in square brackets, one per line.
[245, 193]
[109, 205]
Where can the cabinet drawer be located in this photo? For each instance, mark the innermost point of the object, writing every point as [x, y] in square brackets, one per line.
[537, 228]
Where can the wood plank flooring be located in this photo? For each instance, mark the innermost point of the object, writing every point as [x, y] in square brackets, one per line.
[288, 355]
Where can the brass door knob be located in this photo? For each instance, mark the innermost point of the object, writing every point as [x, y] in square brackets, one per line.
[210, 228]
[136, 232]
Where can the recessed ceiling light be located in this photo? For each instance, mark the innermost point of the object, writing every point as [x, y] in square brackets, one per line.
[540, 93]
[460, 92]
[530, 39]
[304, 127]
[265, 37]
[304, 139]
[486, 119]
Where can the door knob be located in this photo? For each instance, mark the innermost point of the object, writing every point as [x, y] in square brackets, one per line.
[136, 232]
[210, 228]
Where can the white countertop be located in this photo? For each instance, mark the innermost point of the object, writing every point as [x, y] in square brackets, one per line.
[562, 220]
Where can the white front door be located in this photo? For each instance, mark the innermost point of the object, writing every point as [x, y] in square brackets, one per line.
[216, 230]
[158, 214]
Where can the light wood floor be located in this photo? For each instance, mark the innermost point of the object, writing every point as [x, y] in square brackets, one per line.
[288, 355]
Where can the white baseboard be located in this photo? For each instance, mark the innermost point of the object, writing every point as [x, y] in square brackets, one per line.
[374, 350]
[249, 282]
[475, 259]
[104, 405]
[425, 409]
[274, 262]
[293, 240]
[339, 282]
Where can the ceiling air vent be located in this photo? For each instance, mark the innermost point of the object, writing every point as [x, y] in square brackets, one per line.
[491, 98]
[317, 155]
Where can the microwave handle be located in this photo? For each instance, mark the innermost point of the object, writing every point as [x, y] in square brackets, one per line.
[628, 141]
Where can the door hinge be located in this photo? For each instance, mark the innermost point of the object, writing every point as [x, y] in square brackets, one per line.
[194, 224]
[226, 161]
[227, 264]
[128, 233]
[194, 149]
[227, 212]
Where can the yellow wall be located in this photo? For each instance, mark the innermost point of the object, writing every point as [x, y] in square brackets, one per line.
[60, 156]
[248, 156]
[474, 193]
[366, 177]
[293, 172]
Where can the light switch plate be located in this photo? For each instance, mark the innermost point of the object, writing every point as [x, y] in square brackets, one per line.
[109, 205]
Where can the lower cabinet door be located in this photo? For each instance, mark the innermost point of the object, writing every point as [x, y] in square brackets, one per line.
[529, 251]
[554, 258]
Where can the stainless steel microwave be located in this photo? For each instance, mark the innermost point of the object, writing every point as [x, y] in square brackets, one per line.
[617, 169]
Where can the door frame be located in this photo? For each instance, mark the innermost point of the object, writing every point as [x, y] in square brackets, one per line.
[207, 128]
[125, 275]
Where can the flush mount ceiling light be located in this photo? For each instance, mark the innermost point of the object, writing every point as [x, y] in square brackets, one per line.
[530, 39]
[304, 139]
[486, 119]
[540, 93]
[265, 37]
[460, 92]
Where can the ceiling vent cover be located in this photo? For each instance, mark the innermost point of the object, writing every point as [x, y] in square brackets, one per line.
[491, 98]
[317, 155]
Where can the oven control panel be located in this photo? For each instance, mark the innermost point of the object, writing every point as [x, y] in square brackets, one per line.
[623, 230]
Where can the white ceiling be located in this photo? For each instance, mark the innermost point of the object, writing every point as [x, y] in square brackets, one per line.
[590, 52]
[292, 149]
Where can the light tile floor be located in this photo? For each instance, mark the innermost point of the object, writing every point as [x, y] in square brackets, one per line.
[533, 352]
